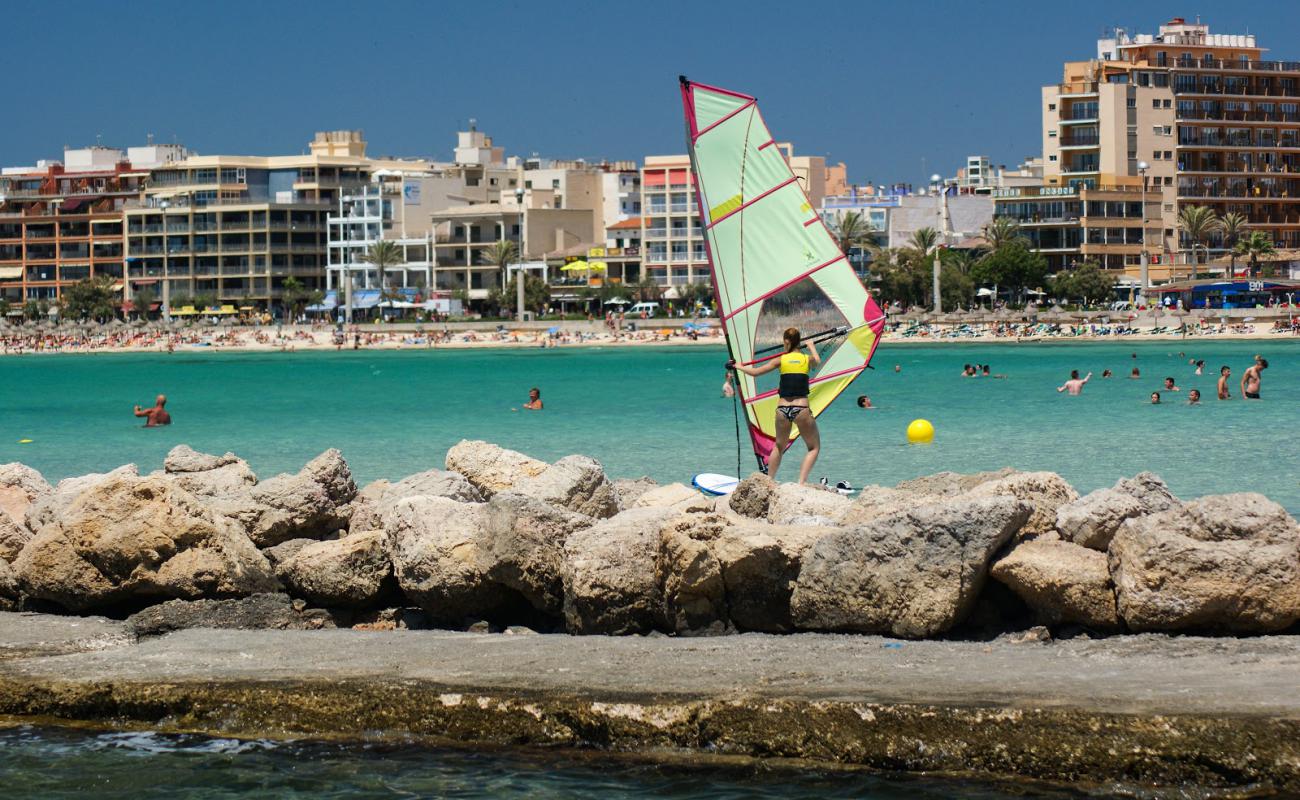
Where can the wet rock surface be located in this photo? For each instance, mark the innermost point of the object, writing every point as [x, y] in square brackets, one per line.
[258, 612]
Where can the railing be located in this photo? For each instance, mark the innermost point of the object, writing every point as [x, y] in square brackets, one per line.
[656, 233]
[1252, 66]
[1238, 116]
[1080, 141]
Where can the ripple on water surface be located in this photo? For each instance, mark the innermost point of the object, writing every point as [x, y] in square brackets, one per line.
[56, 763]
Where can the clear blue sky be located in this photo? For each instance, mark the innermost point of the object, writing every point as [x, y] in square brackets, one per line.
[879, 85]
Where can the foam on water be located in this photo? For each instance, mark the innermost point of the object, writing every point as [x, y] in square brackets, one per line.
[657, 412]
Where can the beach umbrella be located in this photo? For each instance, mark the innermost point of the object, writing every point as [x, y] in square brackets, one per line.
[576, 266]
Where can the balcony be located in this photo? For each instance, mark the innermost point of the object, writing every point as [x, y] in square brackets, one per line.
[1080, 141]
[656, 233]
[1236, 116]
[1237, 66]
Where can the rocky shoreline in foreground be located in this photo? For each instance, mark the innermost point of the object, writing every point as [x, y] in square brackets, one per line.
[1014, 564]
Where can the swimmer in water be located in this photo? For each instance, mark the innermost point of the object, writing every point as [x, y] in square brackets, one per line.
[1225, 372]
[1194, 397]
[864, 402]
[156, 416]
[1155, 398]
[534, 400]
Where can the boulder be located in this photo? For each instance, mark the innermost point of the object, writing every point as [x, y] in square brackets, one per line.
[1045, 491]
[523, 547]
[283, 551]
[915, 573]
[182, 458]
[1061, 582]
[347, 572]
[790, 501]
[436, 548]
[489, 467]
[1225, 563]
[1093, 520]
[677, 496]
[718, 574]
[577, 483]
[20, 486]
[880, 501]
[308, 505]
[8, 583]
[48, 506]
[208, 475]
[256, 612]
[13, 537]
[627, 490]
[948, 484]
[752, 496]
[372, 503]
[131, 537]
[609, 577]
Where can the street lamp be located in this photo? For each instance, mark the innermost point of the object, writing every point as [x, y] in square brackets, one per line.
[1144, 276]
[941, 209]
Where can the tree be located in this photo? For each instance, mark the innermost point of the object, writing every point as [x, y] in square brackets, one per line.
[501, 254]
[1199, 223]
[1254, 245]
[382, 255]
[955, 287]
[1232, 225]
[1012, 265]
[35, 309]
[1001, 231]
[5, 308]
[1086, 282]
[960, 260]
[92, 298]
[853, 230]
[696, 294]
[923, 239]
[904, 275]
[142, 299]
[297, 296]
[204, 300]
[536, 294]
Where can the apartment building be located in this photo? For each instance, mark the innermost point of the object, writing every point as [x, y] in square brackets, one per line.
[61, 221]
[1187, 115]
[236, 227]
[673, 250]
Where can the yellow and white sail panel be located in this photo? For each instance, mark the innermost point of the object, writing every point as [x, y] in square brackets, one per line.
[775, 264]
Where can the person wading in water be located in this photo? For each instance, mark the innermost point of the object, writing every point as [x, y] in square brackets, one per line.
[792, 404]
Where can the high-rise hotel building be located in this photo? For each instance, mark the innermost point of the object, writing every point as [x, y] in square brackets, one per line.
[1214, 123]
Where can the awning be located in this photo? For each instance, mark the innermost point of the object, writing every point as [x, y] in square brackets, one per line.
[11, 272]
[72, 203]
[185, 311]
[328, 303]
[367, 298]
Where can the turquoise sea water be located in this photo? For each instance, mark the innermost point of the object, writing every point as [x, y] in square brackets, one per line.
[658, 412]
[61, 764]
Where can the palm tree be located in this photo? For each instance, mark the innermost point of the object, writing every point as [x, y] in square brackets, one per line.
[1256, 244]
[924, 239]
[382, 255]
[1198, 222]
[854, 230]
[1001, 231]
[501, 255]
[1232, 226]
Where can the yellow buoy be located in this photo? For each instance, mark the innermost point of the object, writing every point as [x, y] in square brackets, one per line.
[920, 431]
[24, 441]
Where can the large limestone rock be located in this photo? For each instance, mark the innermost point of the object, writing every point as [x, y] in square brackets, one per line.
[719, 573]
[310, 504]
[794, 501]
[372, 503]
[1061, 582]
[1227, 563]
[577, 483]
[436, 548]
[873, 502]
[347, 572]
[752, 496]
[48, 506]
[609, 574]
[677, 496]
[208, 475]
[1044, 491]
[8, 585]
[948, 484]
[489, 467]
[627, 490]
[523, 547]
[256, 612]
[916, 573]
[20, 486]
[130, 537]
[13, 537]
[1092, 520]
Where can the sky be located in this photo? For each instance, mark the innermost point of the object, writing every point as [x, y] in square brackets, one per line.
[897, 89]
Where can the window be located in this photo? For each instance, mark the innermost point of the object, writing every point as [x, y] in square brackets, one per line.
[1169, 181]
[1169, 155]
[1051, 158]
[1166, 103]
[1132, 102]
[492, 181]
[1155, 104]
[1051, 134]
[1162, 79]
[555, 183]
[1051, 106]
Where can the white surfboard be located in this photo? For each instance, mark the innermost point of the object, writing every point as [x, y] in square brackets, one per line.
[714, 484]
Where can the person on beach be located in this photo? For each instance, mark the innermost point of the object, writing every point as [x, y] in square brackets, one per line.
[1155, 398]
[1194, 397]
[1224, 373]
[157, 415]
[534, 400]
[792, 400]
[1075, 384]
[1251, 378]
[1170, 386]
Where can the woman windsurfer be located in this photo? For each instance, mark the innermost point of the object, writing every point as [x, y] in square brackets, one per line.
[792, 405]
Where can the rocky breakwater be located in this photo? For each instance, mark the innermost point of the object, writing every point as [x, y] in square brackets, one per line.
[498, 538]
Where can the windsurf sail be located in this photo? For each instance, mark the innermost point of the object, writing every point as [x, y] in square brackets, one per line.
[775, 264]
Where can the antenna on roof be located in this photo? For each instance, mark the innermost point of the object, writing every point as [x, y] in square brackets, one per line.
[473, 123]
[148, 139]
[99, 139]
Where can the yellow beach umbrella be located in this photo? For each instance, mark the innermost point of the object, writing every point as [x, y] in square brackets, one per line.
[575, 266]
